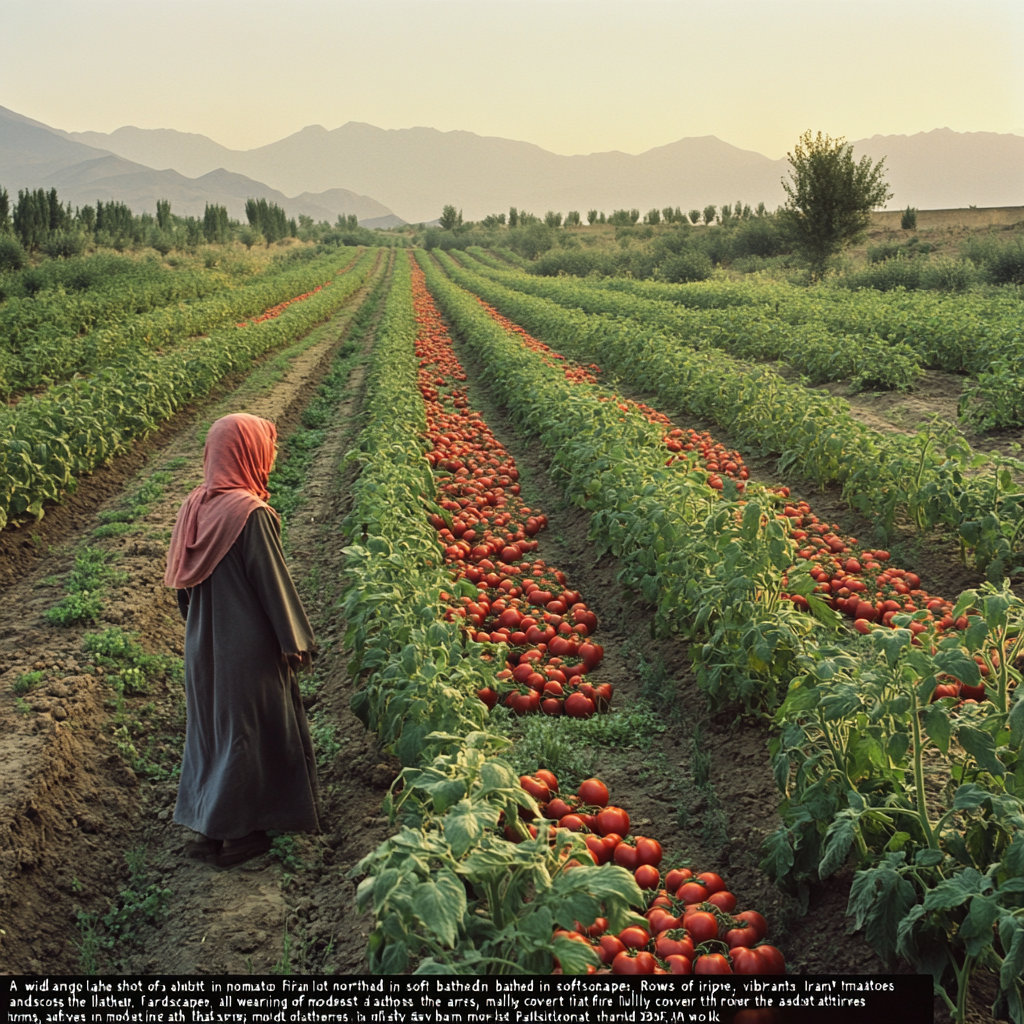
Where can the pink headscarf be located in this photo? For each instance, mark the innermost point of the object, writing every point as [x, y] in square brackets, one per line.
[239, 452]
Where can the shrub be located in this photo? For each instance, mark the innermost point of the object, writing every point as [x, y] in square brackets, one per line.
[12, 255]
[949, 275]
[531, 241]
[909, 219]
[760, 236]
[688, 265]
[1007, 264]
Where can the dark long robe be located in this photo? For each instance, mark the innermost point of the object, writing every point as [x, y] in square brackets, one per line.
[248, 761]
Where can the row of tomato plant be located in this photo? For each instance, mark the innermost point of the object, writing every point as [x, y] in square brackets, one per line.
[746, 332]
[448, 891]
[58, 350]
[932, 479]
[464, 885]
[47, 441]
[975, 334]
[923, 795]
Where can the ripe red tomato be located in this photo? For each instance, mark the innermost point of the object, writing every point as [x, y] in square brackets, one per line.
[692, 892]
[676, 877]
[672, 941]
[579, 706]
[537, 789]
[557, 809]
[625, 855]
[661, 919]
[648, 851]
[774, 961]
[642, 963]
[634, 937]
[702, 926]
[613, 819]
[745, 935]
[572, 822]
[608, 947]
[593, 792]
[646, 875]
[712, 963]
[747, 961]
[756, 921]
[724, 900]
[678, 964]
[713, 882]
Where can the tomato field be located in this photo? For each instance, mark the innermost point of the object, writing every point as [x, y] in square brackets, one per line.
[640, 651]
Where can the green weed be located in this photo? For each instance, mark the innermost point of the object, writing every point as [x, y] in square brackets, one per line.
[28, 681]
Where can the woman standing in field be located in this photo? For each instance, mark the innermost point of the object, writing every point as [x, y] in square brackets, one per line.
[248, 764]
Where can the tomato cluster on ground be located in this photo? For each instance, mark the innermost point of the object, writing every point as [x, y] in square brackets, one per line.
[857, 581]
[692, 923]
[488, 533]
[276, 311]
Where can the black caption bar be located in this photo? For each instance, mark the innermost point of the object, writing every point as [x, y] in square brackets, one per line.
[447, 999]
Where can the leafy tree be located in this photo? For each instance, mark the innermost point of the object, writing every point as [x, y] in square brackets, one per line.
[634, 216]
[761, 210]
[653, 216]
[726, 213]
[249, 237]
[591, 216]
[451, 219]
[694, 216]
[116, 219]
[267, 218]
[163, 214]
[86, 218]
[667, 215]
[830, 197]
[601, 219]
[908, 221]
[5, 212]
[215, 223]
[572, 219]
[513, 217]
[709, 213]
[552, 219]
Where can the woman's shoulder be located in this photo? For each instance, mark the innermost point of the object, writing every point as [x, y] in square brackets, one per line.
[262, 520]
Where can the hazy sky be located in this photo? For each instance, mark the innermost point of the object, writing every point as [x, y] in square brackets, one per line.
[573, 76]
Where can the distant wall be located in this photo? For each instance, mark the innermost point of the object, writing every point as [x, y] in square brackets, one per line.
[987, 216]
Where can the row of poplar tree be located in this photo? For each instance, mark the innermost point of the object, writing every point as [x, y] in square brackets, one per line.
[39, 221]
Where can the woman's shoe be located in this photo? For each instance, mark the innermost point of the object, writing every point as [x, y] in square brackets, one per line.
[237, 851]
[204, 849]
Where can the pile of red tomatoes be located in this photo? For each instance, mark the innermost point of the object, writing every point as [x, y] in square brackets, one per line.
[488, 536]
[692, 924]
[275, 311]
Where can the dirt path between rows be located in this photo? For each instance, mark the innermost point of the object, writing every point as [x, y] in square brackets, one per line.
[71, 805]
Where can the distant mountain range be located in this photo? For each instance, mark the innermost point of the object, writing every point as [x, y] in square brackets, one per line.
[33, 155]
[413, 172]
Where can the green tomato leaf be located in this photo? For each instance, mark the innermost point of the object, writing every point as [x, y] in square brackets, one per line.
[957, 663]
[838, 840]
[440, 904]
[464, 826]
[575, 957]
[936, 724]
[982, 747]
